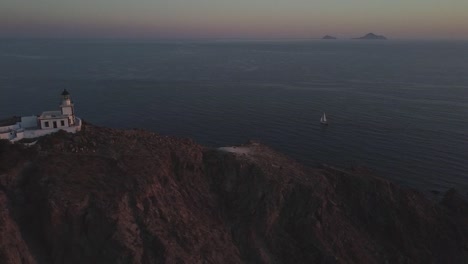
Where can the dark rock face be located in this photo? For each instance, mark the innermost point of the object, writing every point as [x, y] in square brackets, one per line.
[110, 196]
[328, 37]
[372, 36]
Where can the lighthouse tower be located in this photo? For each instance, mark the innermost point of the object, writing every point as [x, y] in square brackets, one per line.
[67, 107]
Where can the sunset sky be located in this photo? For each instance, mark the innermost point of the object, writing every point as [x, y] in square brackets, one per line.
[233, 19]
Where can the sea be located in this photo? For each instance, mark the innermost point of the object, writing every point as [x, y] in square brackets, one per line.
[398, 107]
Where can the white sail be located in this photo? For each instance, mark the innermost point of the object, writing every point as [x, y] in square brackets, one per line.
[323, 119]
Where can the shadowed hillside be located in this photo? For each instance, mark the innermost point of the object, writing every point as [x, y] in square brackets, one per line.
[114, 196]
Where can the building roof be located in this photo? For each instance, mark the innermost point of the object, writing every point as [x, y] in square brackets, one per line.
[51, 114]
[65, 92]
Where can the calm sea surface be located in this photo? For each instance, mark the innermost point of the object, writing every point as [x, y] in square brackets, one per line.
[398, 107]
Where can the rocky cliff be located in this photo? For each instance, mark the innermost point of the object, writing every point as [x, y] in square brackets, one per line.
[112, 196]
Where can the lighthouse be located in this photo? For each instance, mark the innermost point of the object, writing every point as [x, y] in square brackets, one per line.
[67, 107]
[48, 122]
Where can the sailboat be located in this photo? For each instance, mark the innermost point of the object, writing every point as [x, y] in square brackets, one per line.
[323, 119]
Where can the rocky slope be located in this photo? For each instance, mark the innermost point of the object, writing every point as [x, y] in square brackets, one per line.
[112, 196]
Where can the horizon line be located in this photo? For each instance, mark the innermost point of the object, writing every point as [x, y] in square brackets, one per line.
[131, 38]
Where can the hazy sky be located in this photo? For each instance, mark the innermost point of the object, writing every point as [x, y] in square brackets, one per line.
[233, 19]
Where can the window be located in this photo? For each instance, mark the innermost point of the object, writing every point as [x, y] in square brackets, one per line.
[46, 124]
[62, 123]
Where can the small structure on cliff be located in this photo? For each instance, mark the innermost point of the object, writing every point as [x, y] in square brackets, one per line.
[17, 128]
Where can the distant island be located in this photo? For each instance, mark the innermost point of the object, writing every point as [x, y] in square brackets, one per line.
[328, 37]
[372, 36]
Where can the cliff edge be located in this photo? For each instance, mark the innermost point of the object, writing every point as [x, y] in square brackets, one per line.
[114, 196]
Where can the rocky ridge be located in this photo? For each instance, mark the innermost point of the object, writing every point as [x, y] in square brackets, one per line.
[114, 196]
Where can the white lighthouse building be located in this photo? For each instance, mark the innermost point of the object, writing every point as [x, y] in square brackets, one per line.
[17, 128]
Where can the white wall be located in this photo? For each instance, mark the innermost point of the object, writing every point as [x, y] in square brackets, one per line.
[28, 121]
[5, 135]
[8, 128]
[51, 123]
[9, 135]
[20, 133]
[67, 110]
[66, 102]
[42, 132]
[38, 132]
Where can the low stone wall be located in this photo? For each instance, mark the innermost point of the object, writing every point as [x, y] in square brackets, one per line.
[5, 129]
[42, 132]
[5, 135]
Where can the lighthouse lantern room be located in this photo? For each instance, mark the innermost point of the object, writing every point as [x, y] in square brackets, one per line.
[67, 107]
